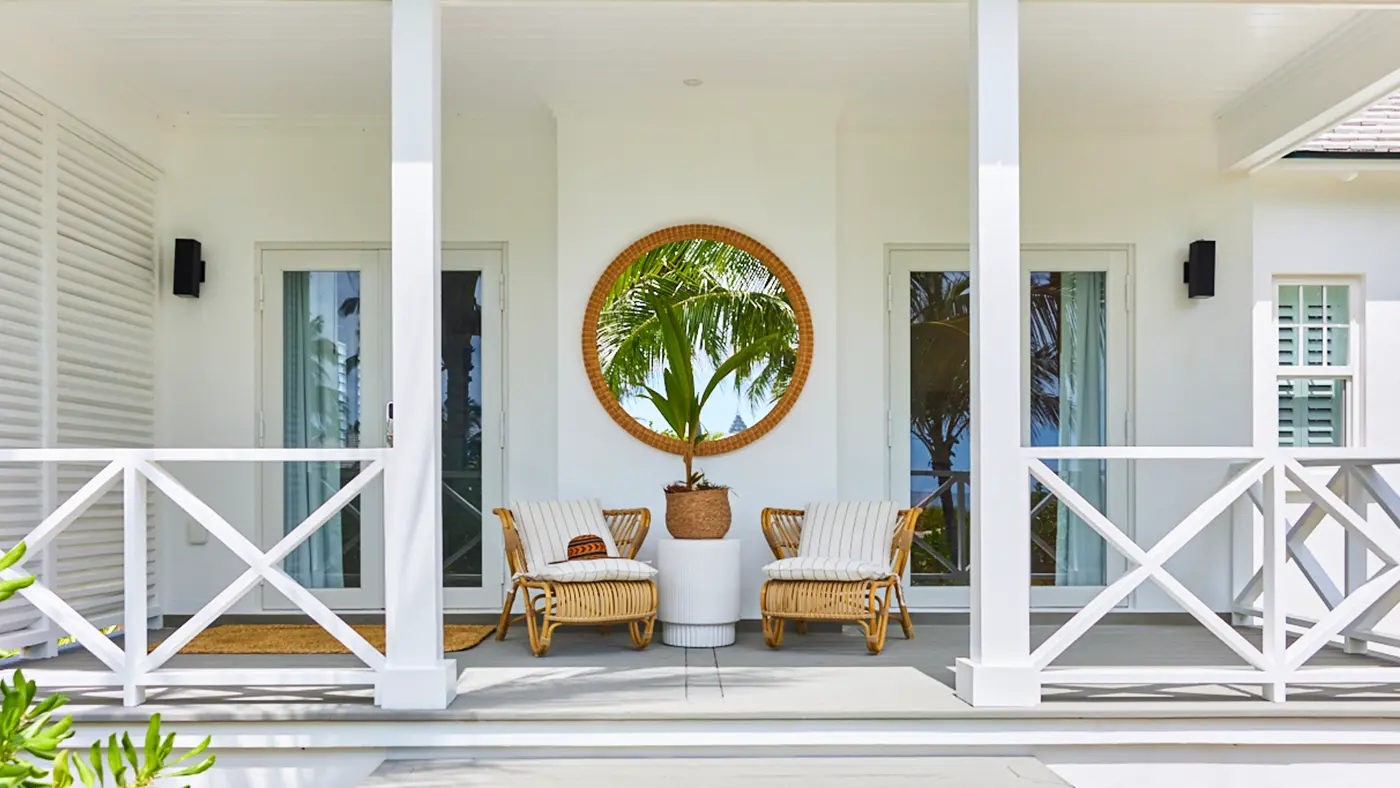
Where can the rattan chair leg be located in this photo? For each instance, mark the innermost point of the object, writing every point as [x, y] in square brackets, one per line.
[905, 621]
[800, 626]
[773, 631]
[641, 635]
[880, 621]
[605, 629]
[503, 625]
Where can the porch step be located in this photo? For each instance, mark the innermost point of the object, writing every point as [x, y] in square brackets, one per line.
[709, 772]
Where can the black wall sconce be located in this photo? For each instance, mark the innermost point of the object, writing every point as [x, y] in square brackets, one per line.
[189, 267]
[1199, 273]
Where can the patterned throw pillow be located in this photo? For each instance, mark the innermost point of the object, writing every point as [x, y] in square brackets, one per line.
[589, 547]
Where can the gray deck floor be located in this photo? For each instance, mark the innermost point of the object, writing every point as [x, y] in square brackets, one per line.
[590, 675]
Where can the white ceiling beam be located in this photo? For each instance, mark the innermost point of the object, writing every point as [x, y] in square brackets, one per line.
[1346, 72]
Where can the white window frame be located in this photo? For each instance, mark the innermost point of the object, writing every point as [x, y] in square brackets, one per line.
[1353, 389]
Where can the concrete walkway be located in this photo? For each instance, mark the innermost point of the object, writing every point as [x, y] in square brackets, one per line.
[711, 772]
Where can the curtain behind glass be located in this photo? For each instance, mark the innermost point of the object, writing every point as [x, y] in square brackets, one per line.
[1079, 550]
[313, 387]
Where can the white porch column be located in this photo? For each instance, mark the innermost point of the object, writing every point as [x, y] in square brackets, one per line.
[417, 676]
[999, 672]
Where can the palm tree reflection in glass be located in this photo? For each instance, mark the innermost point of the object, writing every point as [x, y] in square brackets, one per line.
[939, 419]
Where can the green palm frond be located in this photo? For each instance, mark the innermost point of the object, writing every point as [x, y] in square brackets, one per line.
[725, 299]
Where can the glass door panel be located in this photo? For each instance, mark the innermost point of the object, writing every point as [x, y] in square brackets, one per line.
[322, 389]
[462, 516]
[1068, 399]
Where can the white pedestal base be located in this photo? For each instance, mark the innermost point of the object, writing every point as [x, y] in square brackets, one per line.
[697, 635]
[698, 584]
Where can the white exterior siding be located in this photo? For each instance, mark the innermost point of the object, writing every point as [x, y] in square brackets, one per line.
[77, 339]
[22, 187]
[106, 281]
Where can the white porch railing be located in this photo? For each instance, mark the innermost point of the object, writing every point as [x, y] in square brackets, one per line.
[130, 666]
[1260, 477]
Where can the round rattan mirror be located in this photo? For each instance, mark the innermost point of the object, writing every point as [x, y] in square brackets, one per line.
[733, 308]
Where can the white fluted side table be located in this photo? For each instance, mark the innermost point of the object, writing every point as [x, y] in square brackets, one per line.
[698, 584]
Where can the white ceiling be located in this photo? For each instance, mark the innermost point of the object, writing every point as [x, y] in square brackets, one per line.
[1152, 63]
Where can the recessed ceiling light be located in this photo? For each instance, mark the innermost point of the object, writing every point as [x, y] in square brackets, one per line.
[693, 83]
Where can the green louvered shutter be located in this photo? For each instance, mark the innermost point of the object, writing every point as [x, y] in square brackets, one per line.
[1313, 332]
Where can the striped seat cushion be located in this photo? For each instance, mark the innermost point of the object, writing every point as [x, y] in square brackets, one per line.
[594, 571]
[546, 527]
[838, 569]
[860, 531]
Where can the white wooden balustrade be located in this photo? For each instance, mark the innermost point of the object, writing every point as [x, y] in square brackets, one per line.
[130, 666]
[1262, 477]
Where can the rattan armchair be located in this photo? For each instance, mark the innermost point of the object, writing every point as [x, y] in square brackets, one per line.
[864, 602]
[549, 605]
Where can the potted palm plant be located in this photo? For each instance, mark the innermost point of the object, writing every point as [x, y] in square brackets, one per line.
[696, 508]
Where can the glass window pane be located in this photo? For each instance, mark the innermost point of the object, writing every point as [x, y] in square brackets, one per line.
[1069, 374]
[1312, 303]
[1312, 346]
[1288, 304]
[321, 410]
[461, 429]
[1311, 412]
[1287, 346]
[1338, 304]
[1337, 345]
[1068, 407]
[938, 425]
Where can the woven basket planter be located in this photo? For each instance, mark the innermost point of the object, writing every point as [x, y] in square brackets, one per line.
[699, 514]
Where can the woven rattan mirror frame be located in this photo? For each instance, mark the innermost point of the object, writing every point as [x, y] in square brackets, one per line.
[706, 232]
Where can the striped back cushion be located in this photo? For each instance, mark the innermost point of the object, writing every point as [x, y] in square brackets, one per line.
[859, 531]
[546, 527]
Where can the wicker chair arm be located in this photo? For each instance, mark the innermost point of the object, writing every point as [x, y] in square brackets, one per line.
[629, 529]
[783, 530]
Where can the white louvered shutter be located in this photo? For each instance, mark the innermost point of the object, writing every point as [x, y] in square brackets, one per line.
[106, 281]
[21, 329]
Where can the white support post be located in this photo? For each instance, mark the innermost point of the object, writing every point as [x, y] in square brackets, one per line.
[1355, 572]
[1000, 671]
[415, 676]
[1275, 631]
[134, 567]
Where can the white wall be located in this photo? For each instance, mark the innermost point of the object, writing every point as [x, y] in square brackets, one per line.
[234, 187]
[1314, 223]
[768, 171]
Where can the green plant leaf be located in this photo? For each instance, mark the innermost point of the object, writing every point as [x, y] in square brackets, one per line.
[114, 758]
[152, 747]
[85, 772]
[193, 753]
[13, 556]
[199, 768]
[740, 357]
[663, 406]
[62, 778]
[130, 750]
[95, 756]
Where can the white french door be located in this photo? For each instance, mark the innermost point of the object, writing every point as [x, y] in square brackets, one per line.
[326, 360]
[1075, 368]
[473, 553]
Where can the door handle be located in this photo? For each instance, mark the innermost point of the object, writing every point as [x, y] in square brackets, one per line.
[389, 424]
